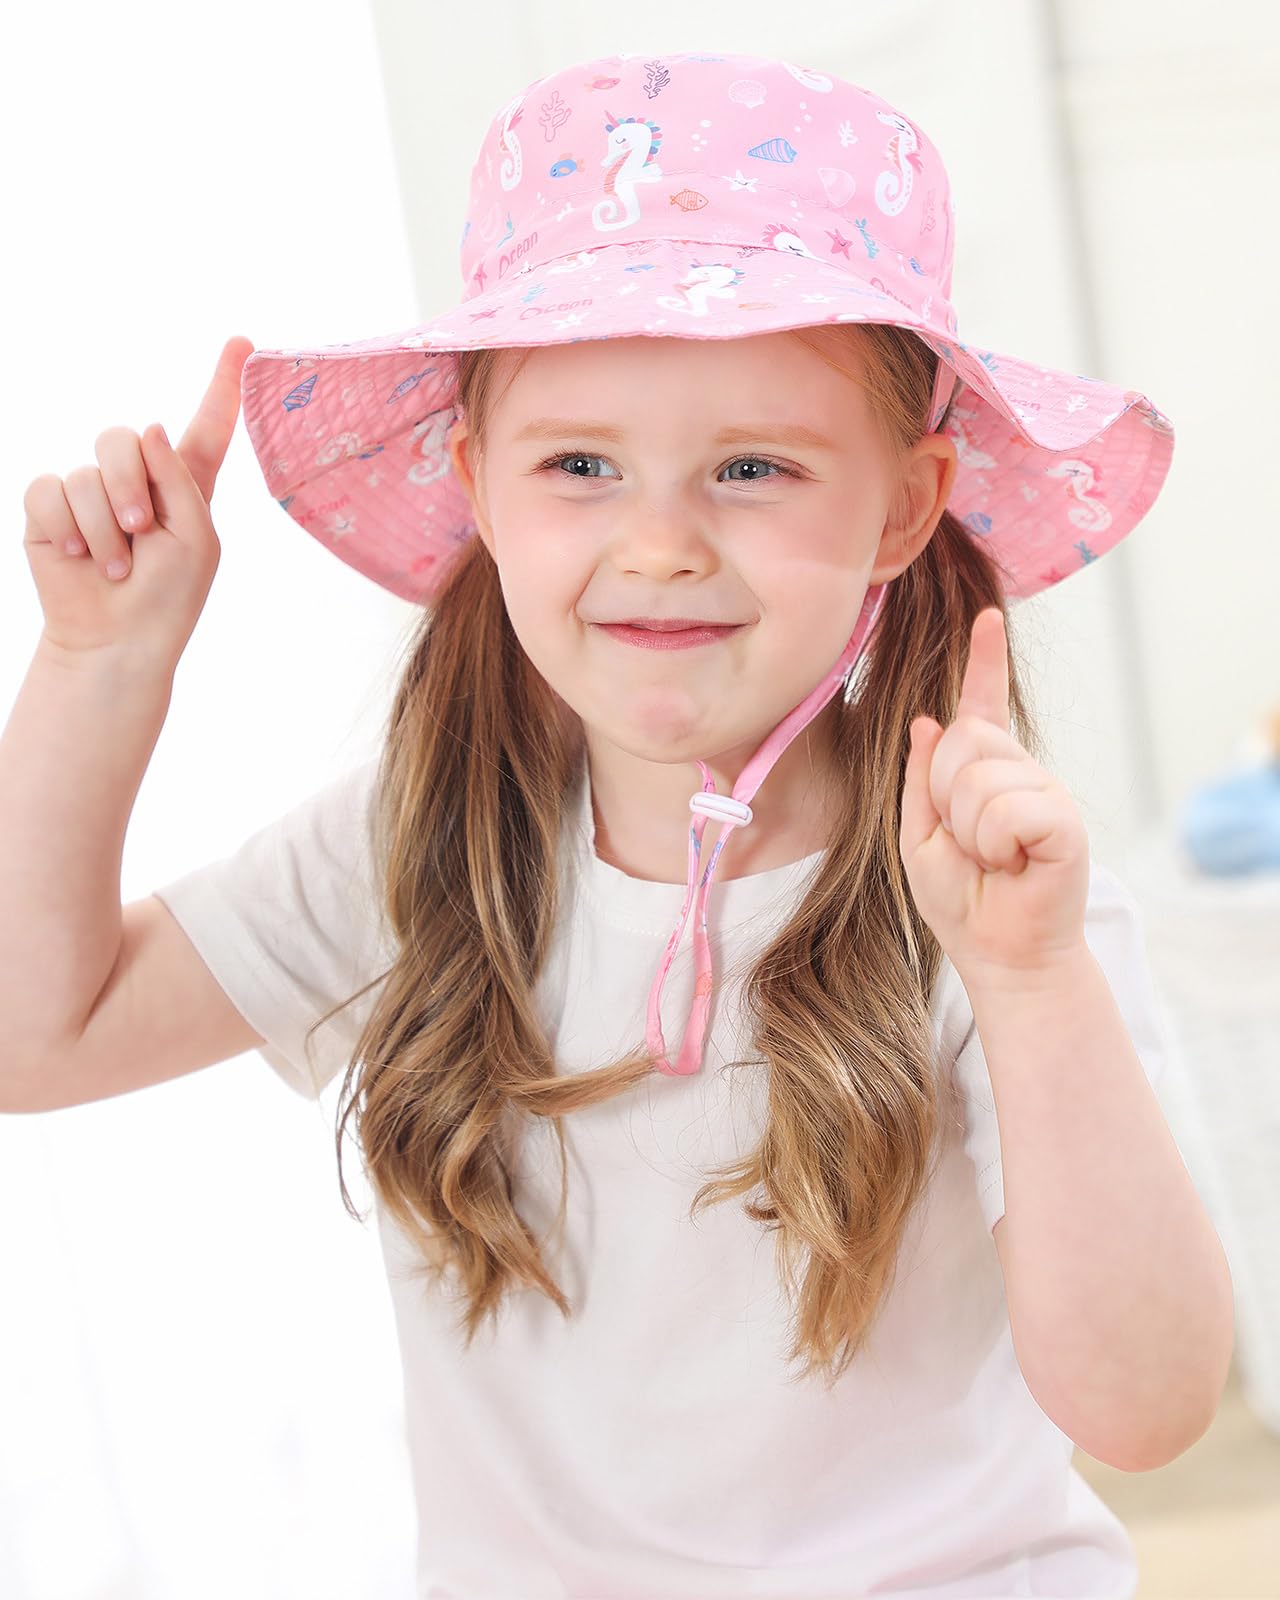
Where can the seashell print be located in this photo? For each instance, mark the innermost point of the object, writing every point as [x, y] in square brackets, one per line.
[689, 200]
[301, 395]
[839, 185]
[411, 382]
[747, 92]
[774, 150]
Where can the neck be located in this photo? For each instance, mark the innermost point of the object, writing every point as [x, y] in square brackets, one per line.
[642, 817]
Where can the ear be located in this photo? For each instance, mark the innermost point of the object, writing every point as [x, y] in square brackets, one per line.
[458, 442]
[927, 476]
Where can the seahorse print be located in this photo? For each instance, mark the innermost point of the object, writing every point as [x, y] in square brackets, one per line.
[512, 168]
[958, 418]
[427, 441]
[807, 78]
[893, 189]
[781, 237]
[719, 280]
[575, 263]
[633, 143]
[1090, 515]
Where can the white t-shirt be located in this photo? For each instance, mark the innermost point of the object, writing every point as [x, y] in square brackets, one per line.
[657, 1444]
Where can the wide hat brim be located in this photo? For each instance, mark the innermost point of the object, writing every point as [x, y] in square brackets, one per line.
[1054, 469]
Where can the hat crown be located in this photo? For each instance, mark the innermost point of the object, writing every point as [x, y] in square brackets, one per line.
[738, 153]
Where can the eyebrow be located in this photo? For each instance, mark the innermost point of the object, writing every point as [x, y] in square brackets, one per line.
[784, 433]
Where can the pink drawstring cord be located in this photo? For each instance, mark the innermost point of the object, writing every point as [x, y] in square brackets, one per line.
[735, 812]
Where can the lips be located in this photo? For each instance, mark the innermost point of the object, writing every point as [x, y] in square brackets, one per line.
[668, 624]
[667, 638]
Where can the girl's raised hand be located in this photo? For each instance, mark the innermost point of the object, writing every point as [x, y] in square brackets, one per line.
[995, 851]
[78, 528]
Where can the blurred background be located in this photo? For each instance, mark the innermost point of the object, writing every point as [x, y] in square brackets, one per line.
[199, 1382]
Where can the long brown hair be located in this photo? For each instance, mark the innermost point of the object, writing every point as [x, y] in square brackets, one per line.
[479, 762]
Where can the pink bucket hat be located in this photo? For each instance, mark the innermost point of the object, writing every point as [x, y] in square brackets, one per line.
[700, 196]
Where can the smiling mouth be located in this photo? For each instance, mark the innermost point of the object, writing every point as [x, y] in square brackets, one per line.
[667, 638]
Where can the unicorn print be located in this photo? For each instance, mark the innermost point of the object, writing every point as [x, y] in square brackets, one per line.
[633, 143]
[893, 189]
[719, 280]
[1090, 515]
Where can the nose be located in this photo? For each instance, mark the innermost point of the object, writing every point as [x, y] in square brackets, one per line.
[663, 539]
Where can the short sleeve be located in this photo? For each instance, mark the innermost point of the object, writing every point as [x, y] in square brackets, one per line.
[1114, 933]
[291, 923]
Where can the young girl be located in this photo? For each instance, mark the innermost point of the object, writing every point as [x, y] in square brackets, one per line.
[699, 440]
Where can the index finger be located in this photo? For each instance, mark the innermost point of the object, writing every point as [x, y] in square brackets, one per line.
[985, 690]
[203, 447]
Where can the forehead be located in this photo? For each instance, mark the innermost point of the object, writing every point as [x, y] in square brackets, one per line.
[772, 377]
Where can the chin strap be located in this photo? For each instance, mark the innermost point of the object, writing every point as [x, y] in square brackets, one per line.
[734, 811]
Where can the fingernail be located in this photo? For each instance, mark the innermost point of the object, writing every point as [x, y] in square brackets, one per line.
[132, 517]
[117, 568]
[164, 435]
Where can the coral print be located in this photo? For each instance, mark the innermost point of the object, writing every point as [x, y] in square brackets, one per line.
[763, 195]
[656, 78]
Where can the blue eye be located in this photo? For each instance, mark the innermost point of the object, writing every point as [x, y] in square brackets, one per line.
[583, 455]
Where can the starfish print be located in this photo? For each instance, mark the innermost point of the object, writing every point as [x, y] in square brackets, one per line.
[839, 244]
[740, 182]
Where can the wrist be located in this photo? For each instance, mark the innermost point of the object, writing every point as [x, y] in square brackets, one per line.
[121, 660]
[1046, 973]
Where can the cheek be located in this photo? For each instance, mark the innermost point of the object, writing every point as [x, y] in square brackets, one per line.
[540, 597]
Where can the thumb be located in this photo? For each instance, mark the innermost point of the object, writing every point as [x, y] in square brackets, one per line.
[919, 815]
[203, 446]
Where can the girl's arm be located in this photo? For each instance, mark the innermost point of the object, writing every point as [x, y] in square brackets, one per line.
[72, 757]
[1119, 1292]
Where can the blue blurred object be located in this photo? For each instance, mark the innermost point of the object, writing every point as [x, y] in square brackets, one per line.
[1232, 826]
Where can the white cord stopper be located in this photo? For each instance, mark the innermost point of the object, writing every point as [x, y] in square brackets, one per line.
[721, 805]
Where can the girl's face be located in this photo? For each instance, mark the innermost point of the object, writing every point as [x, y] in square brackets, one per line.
[654, 510]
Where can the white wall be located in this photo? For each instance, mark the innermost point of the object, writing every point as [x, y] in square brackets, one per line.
[1175, 120]
[200, 1394]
